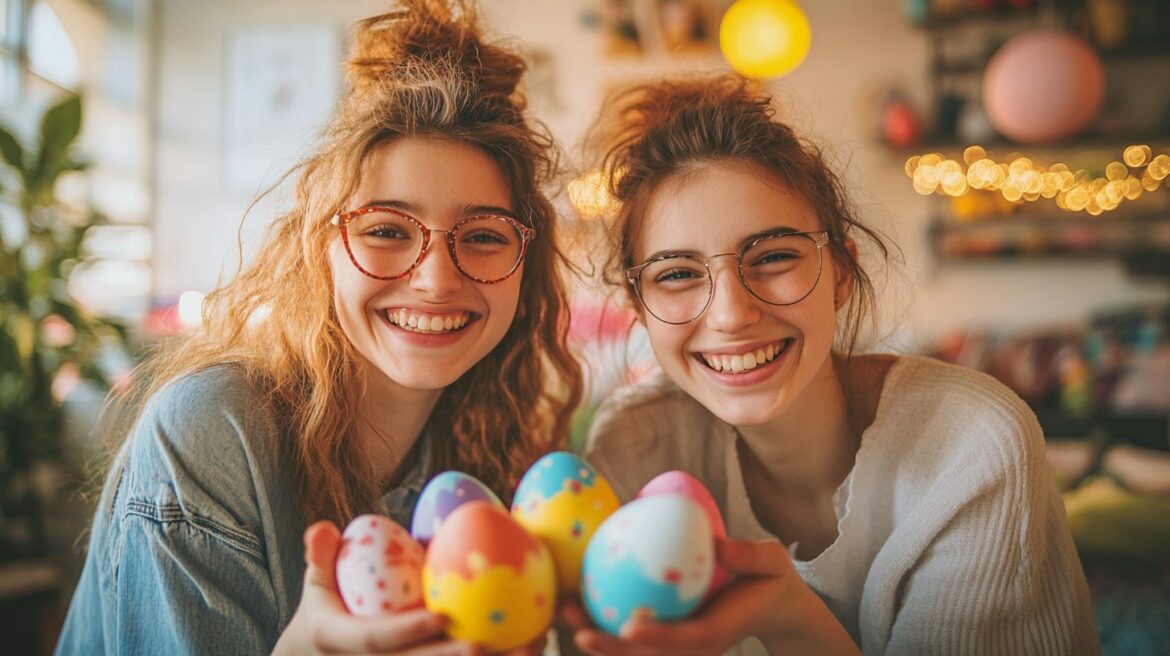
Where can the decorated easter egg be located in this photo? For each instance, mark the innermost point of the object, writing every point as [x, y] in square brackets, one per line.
[443, 494]
[495, 583]
[681, 483]
[562, 500]
[379, 567]
[653, 559]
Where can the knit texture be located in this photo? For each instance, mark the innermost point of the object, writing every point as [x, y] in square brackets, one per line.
[951, 533]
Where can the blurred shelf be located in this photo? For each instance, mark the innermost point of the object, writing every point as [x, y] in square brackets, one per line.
[1141, 241]
[1149, 429]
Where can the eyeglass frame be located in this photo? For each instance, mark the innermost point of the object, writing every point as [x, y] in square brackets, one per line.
[342, 219]
[819, 238]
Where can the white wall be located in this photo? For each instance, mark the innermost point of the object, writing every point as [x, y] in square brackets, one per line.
[859, 48]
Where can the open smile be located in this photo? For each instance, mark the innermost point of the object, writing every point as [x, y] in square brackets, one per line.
[429, 323]
[745, 361]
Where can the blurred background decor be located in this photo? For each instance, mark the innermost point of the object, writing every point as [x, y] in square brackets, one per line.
[1060, 292]
[50, 342]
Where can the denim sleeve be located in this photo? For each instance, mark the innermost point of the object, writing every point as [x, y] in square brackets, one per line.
[186, 585]
[185, 557]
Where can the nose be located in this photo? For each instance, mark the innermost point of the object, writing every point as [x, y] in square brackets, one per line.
[437, 274]
[732, 307]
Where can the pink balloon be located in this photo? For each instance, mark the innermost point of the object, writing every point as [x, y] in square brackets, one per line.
[1043, 86]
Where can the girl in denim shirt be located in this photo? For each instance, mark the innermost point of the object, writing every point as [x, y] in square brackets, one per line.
[404, 317]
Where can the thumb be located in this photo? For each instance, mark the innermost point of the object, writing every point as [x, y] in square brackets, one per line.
[321, 542]
[753, 557]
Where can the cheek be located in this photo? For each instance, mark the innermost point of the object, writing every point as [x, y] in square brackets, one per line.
[668, 342]
[503, 299]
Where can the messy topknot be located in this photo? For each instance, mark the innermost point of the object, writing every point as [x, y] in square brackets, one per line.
[649, 133]
[428, 41]
[423, 70]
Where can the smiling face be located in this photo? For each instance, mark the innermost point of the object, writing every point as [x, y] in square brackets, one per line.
[747, 361]
[425, 330]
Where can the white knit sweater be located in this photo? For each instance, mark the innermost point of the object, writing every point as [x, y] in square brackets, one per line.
[951, 533]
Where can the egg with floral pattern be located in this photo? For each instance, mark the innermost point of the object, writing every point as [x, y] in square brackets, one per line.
[379, 567]
[495, 583]
[653, 559]
[562, 500]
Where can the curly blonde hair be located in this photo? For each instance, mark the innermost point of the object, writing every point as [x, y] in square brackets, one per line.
[422, 70]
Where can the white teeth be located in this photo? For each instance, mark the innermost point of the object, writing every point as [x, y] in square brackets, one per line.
[742, 362]
[428, 323]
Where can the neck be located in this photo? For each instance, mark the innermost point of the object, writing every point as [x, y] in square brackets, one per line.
[390, 420]
[809, 449]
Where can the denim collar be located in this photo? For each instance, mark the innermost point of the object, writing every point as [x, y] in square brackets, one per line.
[399, 501]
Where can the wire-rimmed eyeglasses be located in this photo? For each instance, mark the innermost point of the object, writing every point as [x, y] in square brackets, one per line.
[778, 269]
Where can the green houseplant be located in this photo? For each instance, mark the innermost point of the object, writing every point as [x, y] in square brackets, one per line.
[44, 332]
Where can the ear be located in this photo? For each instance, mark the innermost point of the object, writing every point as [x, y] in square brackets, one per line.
[843, 278]
[639, 311]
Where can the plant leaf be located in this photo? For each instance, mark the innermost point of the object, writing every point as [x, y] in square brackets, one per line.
[59, 128]
[11, 150]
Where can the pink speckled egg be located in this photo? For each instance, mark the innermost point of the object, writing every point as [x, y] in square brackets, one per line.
[379, 567]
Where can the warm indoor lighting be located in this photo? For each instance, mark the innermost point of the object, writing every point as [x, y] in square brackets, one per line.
[1022, 180]
[764, 39]
[589, 195]
[191, 309]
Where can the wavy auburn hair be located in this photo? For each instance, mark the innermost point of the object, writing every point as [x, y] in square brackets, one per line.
[423, 70]
[650, 133]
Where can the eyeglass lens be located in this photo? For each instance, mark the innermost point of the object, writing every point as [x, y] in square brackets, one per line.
[387, 245]
[778, 270]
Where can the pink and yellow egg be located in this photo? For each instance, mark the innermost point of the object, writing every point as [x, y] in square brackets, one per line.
[494, 582]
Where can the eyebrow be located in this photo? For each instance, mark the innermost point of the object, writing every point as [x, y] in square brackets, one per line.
[771, 232]
[465, 210]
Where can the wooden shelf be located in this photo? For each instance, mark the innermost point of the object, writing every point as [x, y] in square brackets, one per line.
[1141, 240]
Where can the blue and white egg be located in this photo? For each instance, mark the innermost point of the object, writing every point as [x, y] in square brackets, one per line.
[651, 559]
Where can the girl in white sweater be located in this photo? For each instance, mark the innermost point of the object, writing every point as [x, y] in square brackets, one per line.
[888, 505]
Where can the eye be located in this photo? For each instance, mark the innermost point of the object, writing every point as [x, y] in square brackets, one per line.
[484, 236]
[385, 231]
[774, 257]
[678, 273]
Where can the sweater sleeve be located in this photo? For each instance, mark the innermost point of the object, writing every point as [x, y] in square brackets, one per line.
[1002, 576]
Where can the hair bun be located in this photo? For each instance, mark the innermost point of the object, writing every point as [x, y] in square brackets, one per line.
[424, 41]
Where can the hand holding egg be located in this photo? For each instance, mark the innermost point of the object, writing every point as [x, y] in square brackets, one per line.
[379, 567]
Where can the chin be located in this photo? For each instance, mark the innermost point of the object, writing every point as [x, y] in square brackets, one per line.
[421, 380]
[740, 411]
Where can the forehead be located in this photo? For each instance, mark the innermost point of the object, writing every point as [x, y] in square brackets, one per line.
[433, 173]
[711, 209]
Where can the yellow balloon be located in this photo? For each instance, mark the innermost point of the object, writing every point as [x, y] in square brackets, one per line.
[764, 38]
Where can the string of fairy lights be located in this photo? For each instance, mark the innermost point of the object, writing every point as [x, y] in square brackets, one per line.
[1022, 180]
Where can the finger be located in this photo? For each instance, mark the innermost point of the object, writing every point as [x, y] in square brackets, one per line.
[572, 615]
[716, 628]
[443, 648]
[349, 634]
[753, 557]
[321, 542]
[602, 644]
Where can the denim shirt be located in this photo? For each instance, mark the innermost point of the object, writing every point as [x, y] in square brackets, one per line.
[196, 545]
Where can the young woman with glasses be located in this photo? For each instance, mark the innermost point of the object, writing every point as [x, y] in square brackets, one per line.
[882, 504]
[405, 316]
